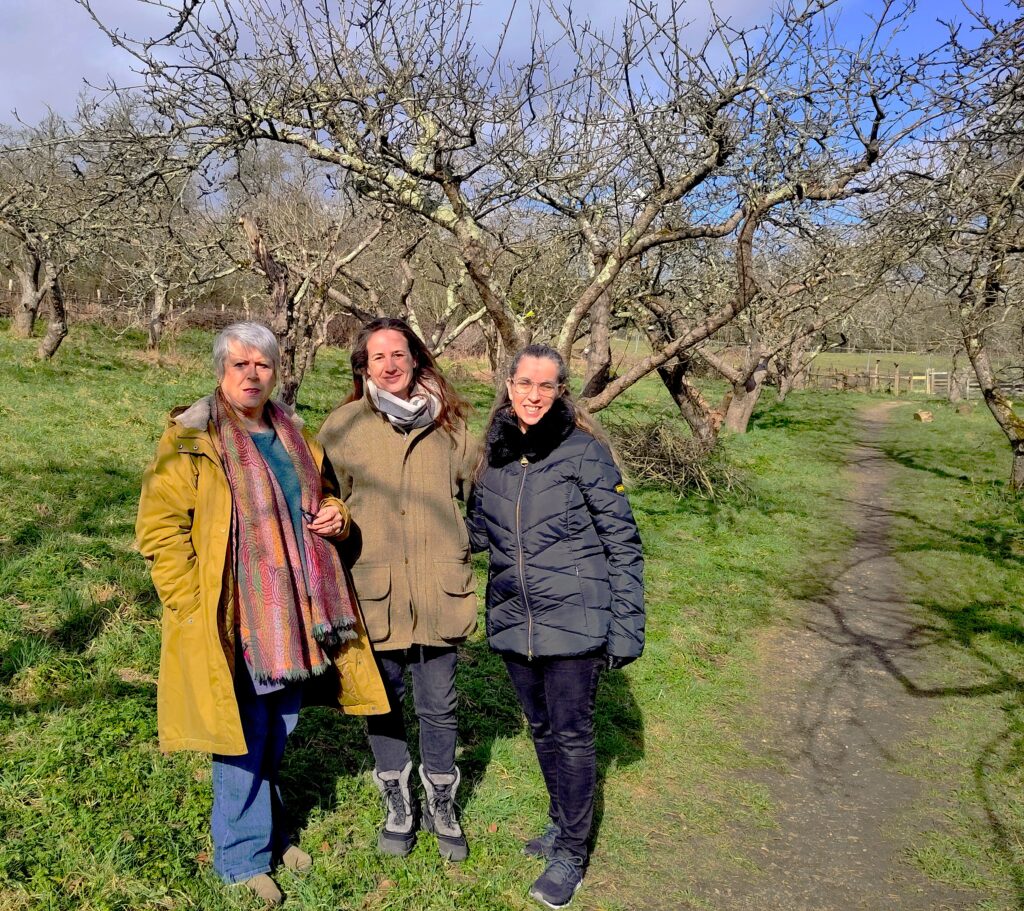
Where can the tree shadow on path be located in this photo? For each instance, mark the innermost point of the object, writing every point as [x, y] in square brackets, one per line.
[881, 654]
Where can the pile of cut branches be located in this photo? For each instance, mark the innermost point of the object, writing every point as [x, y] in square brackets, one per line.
[659, 453]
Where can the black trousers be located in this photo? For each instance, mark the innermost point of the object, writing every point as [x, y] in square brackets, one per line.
[433, 692]
[557, 696]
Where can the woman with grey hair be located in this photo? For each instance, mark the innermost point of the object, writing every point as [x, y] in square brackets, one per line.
[239, 518]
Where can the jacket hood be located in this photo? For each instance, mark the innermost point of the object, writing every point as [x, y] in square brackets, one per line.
[507, 443]
[197, 415]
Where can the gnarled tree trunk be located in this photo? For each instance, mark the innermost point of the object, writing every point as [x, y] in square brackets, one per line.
[284, 306]
[157, 313]
[33, 282]
[1001, 407]
[959, 376]
[704, 421]
[745, 396]
[57, 328]
[599, 352]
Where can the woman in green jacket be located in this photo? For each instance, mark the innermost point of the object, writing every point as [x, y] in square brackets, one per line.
[236, 515]
[403, 458]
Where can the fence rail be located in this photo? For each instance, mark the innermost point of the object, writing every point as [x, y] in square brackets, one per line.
[897, 382]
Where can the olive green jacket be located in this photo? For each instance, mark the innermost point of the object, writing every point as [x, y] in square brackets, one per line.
[408, 549]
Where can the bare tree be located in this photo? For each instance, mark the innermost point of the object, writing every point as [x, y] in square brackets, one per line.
[634, 140]
[665, 145]
[43, 211]
[966, 196]
[390, 93]
[300, 295]
[162, 252]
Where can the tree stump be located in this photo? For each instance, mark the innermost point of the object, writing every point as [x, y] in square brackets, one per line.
[925, 417]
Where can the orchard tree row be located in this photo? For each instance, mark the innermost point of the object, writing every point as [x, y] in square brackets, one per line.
[739, 195]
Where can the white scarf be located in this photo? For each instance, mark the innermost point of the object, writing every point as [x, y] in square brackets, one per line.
[421, 410]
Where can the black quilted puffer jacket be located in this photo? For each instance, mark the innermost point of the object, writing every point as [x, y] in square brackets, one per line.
[566, 565]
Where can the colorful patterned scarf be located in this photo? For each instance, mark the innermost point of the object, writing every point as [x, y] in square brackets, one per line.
[288, 619]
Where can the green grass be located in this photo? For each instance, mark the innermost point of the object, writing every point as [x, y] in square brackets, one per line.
[961, 543]
[92, 816]
[908, 361]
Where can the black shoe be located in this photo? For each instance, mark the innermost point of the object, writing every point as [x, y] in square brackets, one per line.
[541, 845]
[562, 879]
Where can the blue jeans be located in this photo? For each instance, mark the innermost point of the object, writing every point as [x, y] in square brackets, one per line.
[557, 696]
[434, 698]
[246, 822]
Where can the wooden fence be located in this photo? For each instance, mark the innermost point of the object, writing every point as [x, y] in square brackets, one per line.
[119, 312]
[897, 382]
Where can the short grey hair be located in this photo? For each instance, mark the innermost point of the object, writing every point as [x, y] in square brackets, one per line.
[252, 335]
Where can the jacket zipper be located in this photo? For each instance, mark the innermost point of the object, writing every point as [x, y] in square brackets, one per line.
[522, 566]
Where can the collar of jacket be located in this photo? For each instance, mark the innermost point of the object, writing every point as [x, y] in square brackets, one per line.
[193, 422]
[507, 443]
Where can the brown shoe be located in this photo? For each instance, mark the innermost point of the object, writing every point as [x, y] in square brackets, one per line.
[263, 886]
[297, 860]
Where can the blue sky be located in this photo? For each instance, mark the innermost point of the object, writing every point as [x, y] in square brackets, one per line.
[49, 47]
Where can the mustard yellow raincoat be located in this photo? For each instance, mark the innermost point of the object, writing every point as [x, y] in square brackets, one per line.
[184, 527]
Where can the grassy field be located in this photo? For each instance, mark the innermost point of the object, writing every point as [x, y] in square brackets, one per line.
[908, 361]
[92, 816]
[961, 544]
[626, 351]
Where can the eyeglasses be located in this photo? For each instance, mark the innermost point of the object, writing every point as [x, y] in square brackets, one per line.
[523, 386]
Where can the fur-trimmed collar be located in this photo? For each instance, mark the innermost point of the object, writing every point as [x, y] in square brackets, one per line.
[507, 443]
[197, 415]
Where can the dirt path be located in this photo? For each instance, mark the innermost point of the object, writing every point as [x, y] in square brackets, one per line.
[838, 712]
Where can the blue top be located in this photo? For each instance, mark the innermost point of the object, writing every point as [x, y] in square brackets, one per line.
[280, 465]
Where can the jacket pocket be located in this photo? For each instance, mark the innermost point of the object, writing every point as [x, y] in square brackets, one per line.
[372, 583]
[184, 607]
[456, 616]
[361, 688]
[595, 595]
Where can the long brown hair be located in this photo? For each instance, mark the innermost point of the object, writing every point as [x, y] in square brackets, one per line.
[503, 401]
[454, 407]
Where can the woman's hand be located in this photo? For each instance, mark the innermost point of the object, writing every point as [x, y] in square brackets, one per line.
[329, 522]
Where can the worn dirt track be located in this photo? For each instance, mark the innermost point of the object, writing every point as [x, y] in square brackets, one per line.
[838, 711]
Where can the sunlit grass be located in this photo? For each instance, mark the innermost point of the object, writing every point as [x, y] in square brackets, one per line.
[960, 541]
[94, 817]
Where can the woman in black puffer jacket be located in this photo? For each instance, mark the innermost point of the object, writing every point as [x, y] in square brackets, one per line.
[564, 591]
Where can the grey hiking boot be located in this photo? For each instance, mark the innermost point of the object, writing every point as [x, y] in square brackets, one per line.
[559, 882]
[439, 813]
[542, 845]
[398, 835]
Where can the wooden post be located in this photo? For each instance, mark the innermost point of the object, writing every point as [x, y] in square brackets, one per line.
[896, 379]
[874, 375]
[929, 387]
